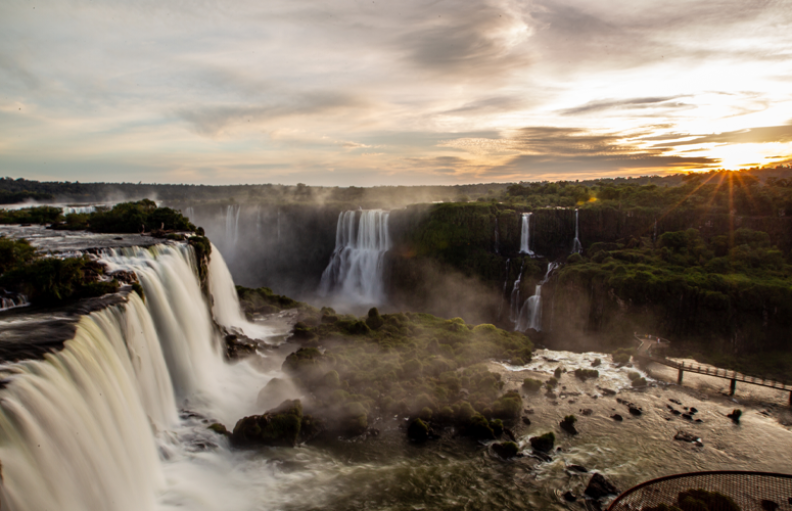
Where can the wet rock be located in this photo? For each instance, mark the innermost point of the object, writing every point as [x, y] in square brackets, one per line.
[735, 415]
[607, 392]
[692, 410]
[509, 434]
[505, 450]
[600, 486]
[577, 468]
[676, 412]
[569, 497]
[635, 410]
[769, 505]
[687, 416]
[529, 411]
[220, 429]
[278, 427]
[543, 443]
[568, 424]
[684, 436]
[676, 402]
[617, 417]
[586, 411]
[526, 420]
[418, 431]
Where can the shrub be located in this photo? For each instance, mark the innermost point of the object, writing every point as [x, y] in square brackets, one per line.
[585, 374]
[531, 385]
[543, 443]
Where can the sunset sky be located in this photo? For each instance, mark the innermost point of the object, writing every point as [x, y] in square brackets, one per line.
[362, 92]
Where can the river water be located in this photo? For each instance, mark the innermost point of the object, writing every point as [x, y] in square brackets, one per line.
[118, 421]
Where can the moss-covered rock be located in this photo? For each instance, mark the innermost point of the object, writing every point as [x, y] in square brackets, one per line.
[505, 450]
[278, 427]
[418, 431]
[543, 443]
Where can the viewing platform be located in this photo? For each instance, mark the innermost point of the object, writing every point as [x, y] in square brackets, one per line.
[645, 353]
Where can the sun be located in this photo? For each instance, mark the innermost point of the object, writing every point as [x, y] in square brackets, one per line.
[741, 156]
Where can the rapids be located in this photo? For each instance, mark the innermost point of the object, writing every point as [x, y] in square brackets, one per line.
[117, 420]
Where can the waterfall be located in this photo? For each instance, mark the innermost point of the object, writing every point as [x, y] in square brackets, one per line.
[190, 213]
[576, 246]
[96, 426]
[13, 301]
[525, 235]
[232, 226]
[505, 286]
[531, 312]
[514, 306]
[68, 210]
[355, 271]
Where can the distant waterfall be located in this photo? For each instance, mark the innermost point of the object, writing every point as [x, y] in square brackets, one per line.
[576, 246]
[13, 301]
[68, 210]
[514, 304]
[232, 226]
[92, 427]
[531, 312]
[355, 271]
[525, 235]
[190, 213]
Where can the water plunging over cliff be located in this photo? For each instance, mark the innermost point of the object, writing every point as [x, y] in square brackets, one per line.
[525, 235]
[232, 226]
[576, 246]
[531, 312]
[514, 303]
[81, 429]
[355, 271]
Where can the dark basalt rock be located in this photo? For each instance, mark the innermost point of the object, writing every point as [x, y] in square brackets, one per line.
[735, 415]
[505, 450]
[617, 417]
[577, 468]
[684, 436]
[586, 412]
[676, 401]
[418, 431]
[278, 427]
[568, 424]
[526, 421]
[569, 497]
[543, 443]
[600, 486]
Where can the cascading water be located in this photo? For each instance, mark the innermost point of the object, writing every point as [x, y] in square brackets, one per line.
[514, 305]
[525, 235]
[232, 226]
[68, 210]
[531, 312]
[96, 425]
[576, 246]
[13, 302]
[355, 272]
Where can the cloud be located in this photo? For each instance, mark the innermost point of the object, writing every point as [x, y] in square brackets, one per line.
[748, 136]
[211, 120]
[623, 104]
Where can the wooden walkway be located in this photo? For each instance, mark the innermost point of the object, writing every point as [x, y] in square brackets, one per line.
[644, 352]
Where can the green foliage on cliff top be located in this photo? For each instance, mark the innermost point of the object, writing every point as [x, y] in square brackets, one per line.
[126, 217]
[411, 363]
[264, 301]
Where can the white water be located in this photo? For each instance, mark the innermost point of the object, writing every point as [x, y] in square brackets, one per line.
[525, 235]
[531, 312]
[67, 210]
[514, 303]
[355, 271]
[232, 227]
[13, 302]
[96, 426]
[576, 246]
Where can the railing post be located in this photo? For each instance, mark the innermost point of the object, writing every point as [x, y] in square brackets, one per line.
[733, 387]
[681, 372]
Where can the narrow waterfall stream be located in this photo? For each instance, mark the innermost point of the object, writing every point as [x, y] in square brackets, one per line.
[525, 235]
[355, 271]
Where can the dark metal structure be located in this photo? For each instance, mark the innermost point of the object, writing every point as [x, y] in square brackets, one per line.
[751, 491]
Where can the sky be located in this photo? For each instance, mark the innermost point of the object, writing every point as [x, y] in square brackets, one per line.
[364, 93]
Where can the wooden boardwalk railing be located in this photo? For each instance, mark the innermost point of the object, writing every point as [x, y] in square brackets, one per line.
[644, 352]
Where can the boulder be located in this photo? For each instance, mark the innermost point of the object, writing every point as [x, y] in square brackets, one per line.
[278, 427]
[617, 417]
[505, 450]
[684, 436]
[418, 431]
[600, 486]
[543, 443]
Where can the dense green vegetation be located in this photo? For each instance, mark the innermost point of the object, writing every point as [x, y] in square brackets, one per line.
[735, 288]
[263, 301]
[126, 217]
[50, 280]
[410, 364]
[745, 193]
